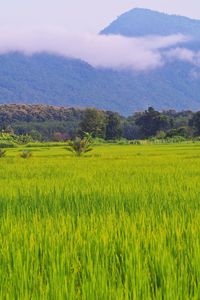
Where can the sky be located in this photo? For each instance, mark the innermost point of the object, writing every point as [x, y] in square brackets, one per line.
[77, 16]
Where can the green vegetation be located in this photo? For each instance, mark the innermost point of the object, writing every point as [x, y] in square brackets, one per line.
[81, 146]
[25, 154]
[122, 222]
[21, 124]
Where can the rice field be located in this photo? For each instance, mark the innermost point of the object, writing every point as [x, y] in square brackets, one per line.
[121, 223]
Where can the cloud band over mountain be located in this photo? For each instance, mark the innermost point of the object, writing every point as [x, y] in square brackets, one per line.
[112, 51]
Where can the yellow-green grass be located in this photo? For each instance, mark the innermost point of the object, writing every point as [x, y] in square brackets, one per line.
[121, 223]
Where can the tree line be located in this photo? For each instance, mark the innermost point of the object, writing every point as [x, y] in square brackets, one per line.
[49, 123]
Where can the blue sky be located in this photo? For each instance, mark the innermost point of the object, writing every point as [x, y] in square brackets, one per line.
[82, 15]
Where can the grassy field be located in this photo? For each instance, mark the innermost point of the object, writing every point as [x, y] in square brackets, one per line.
[121, 223]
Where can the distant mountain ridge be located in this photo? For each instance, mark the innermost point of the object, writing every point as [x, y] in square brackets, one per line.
[51, 79]
[142, 22]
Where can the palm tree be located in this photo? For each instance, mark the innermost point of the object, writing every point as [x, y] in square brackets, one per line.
[81, 146]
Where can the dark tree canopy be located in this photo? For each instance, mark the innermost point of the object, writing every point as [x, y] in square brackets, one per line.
[94, 122]
[195, 122]
[152, 121]
[114, 126]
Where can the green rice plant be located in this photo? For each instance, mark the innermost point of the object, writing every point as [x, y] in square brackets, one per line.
[117, 225]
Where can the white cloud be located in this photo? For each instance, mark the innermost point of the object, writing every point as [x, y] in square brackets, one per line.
[115, 52]
[184, 54]
[195, 74]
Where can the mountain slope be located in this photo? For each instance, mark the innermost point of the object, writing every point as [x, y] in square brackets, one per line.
[141, 22]
[51, 79]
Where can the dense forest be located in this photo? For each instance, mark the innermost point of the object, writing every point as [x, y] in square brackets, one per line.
[51, 123]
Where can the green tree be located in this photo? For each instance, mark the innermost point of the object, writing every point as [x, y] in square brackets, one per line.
[152, 121]
[35, 135]
[181, 131]
[195, 122]
[114, 126]
[94, 122]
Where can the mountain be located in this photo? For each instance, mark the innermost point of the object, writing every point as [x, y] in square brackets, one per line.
[142, 22]
[52, 79]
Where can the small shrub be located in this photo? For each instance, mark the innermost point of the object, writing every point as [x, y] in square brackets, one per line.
[25, 154]
[98, 141]
[176, 139]
[135, 142]
[122, 142]
[23, 139]
[160, 135]
[2, 153]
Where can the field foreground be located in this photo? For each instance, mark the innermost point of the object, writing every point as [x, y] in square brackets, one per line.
[121, 223]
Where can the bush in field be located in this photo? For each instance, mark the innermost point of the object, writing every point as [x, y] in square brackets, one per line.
[23, 139]
[7, 140]
[81, 146]
[10, 140]
[2, 153]
[25, 154]
[135, 142]
[175, 139]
